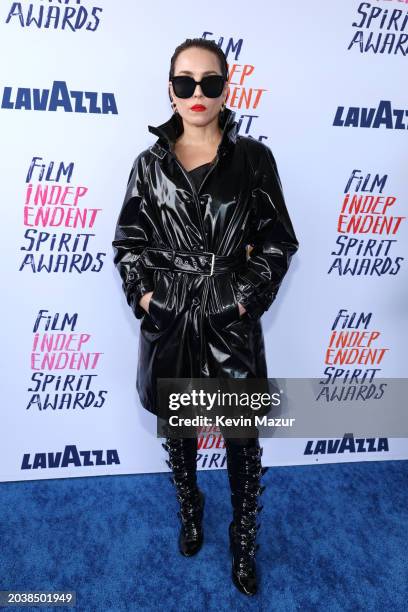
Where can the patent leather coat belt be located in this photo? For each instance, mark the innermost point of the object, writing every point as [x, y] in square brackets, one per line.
[192, 262]
[187, 245]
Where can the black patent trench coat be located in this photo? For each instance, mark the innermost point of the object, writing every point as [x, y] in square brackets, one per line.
[194, 328]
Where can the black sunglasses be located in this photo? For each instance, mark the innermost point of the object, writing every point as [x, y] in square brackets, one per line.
[211, 85]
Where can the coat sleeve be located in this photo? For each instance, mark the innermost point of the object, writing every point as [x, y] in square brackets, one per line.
[132, 236]
[272, 237]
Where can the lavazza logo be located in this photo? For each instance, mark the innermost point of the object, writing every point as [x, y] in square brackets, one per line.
[69, 457]
[346, 445]
[384, 115]
[58, 97]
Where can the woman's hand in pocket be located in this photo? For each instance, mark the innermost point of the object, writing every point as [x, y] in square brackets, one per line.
[242, 309]
[145, 300]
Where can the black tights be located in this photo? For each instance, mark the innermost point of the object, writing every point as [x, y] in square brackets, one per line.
[250, 440]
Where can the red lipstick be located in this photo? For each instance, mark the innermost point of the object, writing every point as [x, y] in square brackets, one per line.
[198, 107]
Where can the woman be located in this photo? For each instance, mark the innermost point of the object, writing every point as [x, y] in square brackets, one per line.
[195, 199]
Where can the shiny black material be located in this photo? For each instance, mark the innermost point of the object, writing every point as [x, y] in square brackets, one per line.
[194, 262]
[197, 174]
[245, 471]
[183, 463]
[194, 328]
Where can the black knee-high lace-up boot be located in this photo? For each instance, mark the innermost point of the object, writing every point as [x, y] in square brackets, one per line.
[183, 463]
[244, 471]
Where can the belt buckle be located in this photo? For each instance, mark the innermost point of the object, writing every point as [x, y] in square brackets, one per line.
[212, 264]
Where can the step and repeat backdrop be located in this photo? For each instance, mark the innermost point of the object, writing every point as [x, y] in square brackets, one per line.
[321, 83]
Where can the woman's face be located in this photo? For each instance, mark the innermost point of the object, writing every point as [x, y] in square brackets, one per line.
[197, 63]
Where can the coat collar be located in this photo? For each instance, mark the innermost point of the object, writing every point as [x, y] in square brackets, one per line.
[169, 131]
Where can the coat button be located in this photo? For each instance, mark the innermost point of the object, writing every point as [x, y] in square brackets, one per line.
[195, 300]
[201, 248]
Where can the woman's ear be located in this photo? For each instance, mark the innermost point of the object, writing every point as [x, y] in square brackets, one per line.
[226, 92]
[170, 92]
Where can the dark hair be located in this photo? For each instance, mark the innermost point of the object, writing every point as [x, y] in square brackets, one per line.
[203, 43]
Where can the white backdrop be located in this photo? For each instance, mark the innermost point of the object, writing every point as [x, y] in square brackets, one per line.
[303, 62]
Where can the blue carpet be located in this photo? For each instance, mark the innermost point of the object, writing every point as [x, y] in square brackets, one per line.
[333, 538]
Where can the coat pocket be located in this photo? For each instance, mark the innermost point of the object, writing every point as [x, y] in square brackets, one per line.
[159, 312]
[225, 309]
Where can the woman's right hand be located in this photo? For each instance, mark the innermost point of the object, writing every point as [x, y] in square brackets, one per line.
[145, 300]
